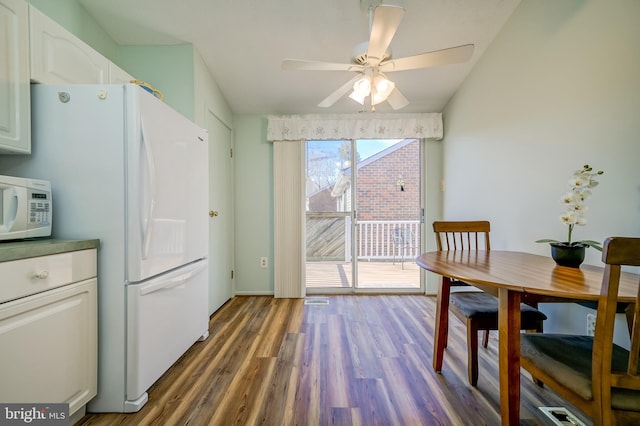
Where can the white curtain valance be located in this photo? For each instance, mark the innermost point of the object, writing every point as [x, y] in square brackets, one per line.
[355, 126]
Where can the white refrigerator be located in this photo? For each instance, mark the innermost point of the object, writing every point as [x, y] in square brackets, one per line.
[126, 168]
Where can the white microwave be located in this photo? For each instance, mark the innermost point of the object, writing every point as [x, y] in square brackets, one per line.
[25, 208]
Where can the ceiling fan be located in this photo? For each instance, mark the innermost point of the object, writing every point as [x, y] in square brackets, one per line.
[372, 60]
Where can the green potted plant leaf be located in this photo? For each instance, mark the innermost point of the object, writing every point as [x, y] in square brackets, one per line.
[571, 253]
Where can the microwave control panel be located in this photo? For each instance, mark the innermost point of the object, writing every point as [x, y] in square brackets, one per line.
[39, 208]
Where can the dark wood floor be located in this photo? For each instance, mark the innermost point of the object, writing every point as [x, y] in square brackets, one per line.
[360, 360]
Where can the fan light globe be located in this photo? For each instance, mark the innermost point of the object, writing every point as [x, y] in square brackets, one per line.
[362, 87]
[357, 97]
[383, 89]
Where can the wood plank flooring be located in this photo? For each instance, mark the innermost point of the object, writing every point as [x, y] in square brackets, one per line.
[360, 360]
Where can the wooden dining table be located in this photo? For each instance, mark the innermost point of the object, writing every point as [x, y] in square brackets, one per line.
[514, 277]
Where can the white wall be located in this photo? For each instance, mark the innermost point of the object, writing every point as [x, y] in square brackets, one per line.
[558, 88]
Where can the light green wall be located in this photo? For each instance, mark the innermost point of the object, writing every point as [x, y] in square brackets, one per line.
[253, 205]
[71, 15]
[167, 68]
[558, 88]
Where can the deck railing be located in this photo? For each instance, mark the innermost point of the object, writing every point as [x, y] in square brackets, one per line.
[329, 238]
[375, 239]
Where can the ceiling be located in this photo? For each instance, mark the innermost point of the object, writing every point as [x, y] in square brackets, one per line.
[243, 42]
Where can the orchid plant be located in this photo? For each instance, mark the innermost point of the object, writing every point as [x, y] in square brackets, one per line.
[580, 184]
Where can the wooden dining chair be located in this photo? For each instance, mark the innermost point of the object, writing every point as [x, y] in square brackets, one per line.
[477, 309]
[596, 375]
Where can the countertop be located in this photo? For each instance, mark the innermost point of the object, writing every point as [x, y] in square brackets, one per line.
[15, 250]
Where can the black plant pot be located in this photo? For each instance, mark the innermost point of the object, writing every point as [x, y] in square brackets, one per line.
[571, 255]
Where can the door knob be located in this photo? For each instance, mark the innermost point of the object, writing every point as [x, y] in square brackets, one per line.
[213, 213]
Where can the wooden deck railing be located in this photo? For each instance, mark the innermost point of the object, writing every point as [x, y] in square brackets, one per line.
[329, 238]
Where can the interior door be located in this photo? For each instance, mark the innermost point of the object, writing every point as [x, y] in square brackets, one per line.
[221, 213]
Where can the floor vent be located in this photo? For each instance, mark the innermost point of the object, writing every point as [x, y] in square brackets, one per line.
[316, 301]
[560, 416]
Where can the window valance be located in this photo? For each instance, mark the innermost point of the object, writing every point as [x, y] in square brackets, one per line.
[355, 126]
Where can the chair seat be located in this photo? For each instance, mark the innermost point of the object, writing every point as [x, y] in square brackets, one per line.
[567, 359]
[481, 305]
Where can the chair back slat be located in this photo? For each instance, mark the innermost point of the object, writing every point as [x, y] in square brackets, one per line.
[462, 235]
[634, 350]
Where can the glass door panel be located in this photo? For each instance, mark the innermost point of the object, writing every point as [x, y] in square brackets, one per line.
[328, 215]
[389, 213]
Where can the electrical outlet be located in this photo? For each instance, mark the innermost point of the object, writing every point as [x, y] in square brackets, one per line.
[264, 262]
[591, 324]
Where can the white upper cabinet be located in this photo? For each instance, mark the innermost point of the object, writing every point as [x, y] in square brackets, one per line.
[118, 76]
[15, 122]
[58, 56]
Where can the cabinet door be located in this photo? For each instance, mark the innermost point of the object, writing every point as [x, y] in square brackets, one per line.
[118, 76]
[49, 346]
[15, 128]
[59, 57]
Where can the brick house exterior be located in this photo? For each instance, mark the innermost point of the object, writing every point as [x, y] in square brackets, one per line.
[380, 197]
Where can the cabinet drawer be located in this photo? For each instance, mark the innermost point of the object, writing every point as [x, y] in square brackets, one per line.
[23, 277]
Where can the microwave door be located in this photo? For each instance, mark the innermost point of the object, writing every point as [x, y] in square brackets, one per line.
[13, 206]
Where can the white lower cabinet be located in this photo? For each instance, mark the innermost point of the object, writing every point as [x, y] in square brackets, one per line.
[49, 339]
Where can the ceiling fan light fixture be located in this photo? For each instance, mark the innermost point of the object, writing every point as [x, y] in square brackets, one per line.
[362, 87]
[359, 98]
[383, 88]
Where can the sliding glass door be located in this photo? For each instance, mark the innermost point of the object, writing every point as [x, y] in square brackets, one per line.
[328, 215]
[363, 215]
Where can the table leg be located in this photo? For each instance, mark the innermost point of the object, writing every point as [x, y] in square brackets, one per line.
[442, 323]
[509, 355]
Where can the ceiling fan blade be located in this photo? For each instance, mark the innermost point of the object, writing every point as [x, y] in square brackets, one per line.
[453, 55]
[340, 92]
[301, 64]
[386, 19]
[397, 99]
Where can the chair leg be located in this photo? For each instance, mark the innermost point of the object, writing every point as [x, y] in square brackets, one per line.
[442, 323]
[472, 352]
[537, 381]
[485, 339]
[539, 329]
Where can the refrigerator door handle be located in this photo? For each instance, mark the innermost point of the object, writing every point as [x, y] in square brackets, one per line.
[147, 219]
[171, 282]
